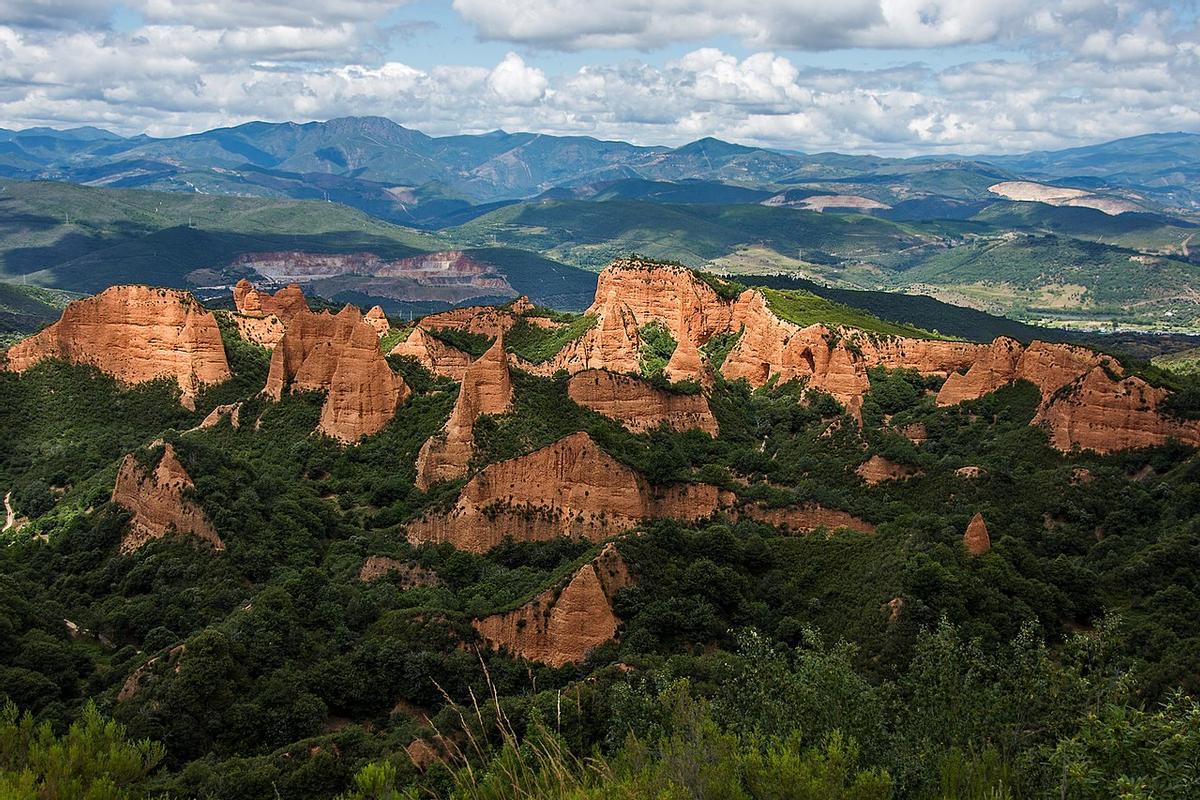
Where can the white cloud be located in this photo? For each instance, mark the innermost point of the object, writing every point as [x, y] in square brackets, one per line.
[514, 82]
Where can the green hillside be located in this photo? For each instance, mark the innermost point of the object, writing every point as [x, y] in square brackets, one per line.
[592, 234]
[24, 309]
[84, 239]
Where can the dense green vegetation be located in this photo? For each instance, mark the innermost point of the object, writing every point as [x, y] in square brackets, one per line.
[537, 344]
[805, 308]
[752, 663]
[24, 309]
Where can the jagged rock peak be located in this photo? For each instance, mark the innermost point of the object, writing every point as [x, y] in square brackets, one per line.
[339, 354]
[562, 626]
[486, 389]
[134, 333]
[976, 538]
[158, 502]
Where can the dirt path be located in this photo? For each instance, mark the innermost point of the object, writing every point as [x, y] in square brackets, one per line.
[9, 514]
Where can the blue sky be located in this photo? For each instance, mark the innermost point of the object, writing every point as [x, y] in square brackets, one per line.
[888, 76]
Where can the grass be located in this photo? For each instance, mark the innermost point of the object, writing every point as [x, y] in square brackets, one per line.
[539, 345]
[804, 308]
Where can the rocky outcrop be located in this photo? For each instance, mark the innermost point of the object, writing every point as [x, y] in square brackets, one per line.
[338, 354]
[969, 473]
[1047, 366]
[976, 538]
[489, 321]
[134, 334]
[410, 576]
[284, 304]
[562, 625]
[145, 674]
[433, 354]
[231, 410]
[378, 321]
[263, 331]
[159, 503]
[639, 405]
[672, 295]
[570, 488]
[806, 518]
[486, 389]
[878, 469]
[1100, 413]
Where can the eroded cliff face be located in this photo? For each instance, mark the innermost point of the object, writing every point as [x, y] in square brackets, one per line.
[1097, 412]
[433, 354]
[158, 503]
[877, 469]
[832, 361]
[486, 389]
[134, 334]
[284, 304]
[490, 321]
[1047, 366]
[378, 321]
[263, 331]
[338, 354]
[639, 405]
[672, 295]
[562, 626]
[570, 488]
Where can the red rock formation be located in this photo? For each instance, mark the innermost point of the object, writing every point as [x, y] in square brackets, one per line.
[806, 518]
[915, 432]
[1047, 366]
[688, 364]
[142, 676]
[878, 469]
[433, 354]
[639, 405]
[378, 321]
[486, 389]
[158, 502]
[1099, 413]
[570, 488]
[285, 303]
[969, 473]
[411, 575]
[489, 321]
[134, 334]
[232, 410]
[562, 627]
[264, 331]
[672, 295]
[976, 538]
[338, 354]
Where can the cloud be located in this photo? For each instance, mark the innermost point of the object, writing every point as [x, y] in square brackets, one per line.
[1085, 70]
[513, 82]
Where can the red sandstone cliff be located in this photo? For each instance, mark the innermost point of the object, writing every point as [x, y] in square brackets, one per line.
[569, 488]
[1099, 413]
[378, 321]
[486, 389]
[338, 354]
[158, 502]
[1047, 366]
[562, 626]
[639, 405]
[806, 518]
[134, 334]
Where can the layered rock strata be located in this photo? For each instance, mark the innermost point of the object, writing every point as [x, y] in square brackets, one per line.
[639, 405]
[563, 624]
[338, 354]
[158, 503]
[134, 334]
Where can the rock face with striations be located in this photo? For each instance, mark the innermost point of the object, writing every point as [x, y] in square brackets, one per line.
[134, 334]
[339, 354]
[639, 405]
[1047, 366]
[158, 502]
[569, 488]
[378, 321]
[561, 626]
[486, 389]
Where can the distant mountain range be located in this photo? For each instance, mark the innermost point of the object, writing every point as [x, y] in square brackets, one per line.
[402, 175]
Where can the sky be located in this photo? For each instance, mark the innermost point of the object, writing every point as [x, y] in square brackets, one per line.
[894, 77]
